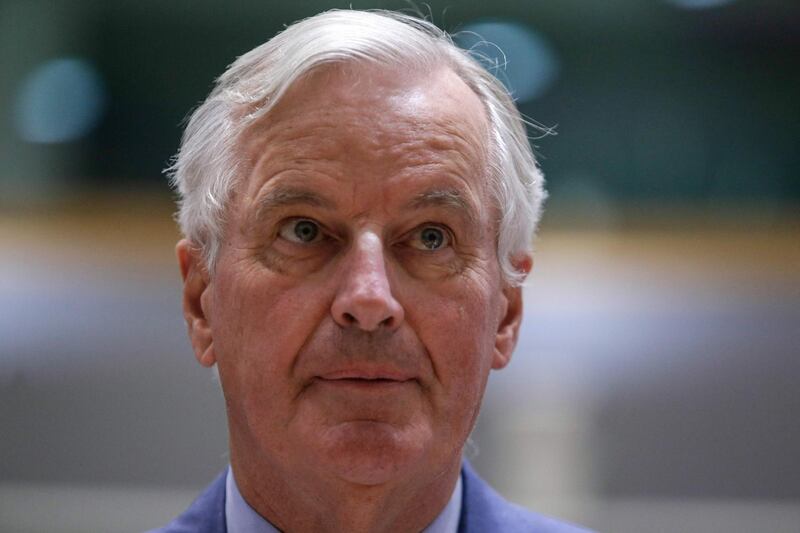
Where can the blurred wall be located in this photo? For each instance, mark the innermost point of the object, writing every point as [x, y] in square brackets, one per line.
[654, 386]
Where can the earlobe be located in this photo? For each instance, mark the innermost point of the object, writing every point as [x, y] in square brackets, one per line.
[508, 328]
[195, 283]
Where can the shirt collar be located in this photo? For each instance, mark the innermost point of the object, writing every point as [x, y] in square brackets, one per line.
[241, 518]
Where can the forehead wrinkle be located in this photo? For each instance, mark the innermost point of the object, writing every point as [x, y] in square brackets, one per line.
[273, 150]
[441, 142]
[292, 144]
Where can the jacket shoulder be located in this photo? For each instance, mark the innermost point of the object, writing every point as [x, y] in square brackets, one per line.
[483, 509]
[205, 515]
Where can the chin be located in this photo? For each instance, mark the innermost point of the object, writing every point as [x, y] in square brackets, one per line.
[372, 453]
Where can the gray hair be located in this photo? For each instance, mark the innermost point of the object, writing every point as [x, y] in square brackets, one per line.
[206, 168]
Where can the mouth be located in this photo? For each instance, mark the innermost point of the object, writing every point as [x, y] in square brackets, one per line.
[365, 385]
[367, 374]
[372, 379]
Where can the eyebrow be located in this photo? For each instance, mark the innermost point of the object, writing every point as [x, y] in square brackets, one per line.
[289, 195]
[451, 199]
[286, 195]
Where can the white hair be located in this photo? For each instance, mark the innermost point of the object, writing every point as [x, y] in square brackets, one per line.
[206, 168]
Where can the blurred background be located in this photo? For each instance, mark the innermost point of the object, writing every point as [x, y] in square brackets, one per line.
[655, 386]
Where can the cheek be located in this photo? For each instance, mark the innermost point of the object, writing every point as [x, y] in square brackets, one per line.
[458, 329]
[460, 340]
[261, 323]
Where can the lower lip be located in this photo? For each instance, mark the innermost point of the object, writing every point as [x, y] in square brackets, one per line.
[366, 384]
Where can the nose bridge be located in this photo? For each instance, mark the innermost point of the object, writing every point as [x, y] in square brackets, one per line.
[364, 297]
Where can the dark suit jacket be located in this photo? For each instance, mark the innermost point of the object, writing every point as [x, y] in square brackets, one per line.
[482, 511]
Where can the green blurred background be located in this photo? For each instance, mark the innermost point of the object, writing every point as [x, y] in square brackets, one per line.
[655, 384]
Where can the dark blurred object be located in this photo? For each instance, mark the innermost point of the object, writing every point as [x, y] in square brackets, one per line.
[652, 101]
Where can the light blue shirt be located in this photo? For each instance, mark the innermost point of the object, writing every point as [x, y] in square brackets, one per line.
[241, 518]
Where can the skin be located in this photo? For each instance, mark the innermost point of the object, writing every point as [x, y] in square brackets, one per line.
[353, 365]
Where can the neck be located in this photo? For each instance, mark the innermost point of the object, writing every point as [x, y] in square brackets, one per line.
[314, 502]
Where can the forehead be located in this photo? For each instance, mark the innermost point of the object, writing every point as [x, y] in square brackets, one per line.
[369, 124]
[395, 91]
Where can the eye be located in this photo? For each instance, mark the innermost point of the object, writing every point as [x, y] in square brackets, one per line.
[430, 238]
[300, 230]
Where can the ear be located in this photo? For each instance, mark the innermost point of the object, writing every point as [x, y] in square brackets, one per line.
[508, 328]
[195, 283]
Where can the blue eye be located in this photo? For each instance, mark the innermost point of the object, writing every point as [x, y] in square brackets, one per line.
[430, 238]
[300, 230]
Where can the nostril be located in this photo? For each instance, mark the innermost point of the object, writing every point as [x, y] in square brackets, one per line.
[350, 319]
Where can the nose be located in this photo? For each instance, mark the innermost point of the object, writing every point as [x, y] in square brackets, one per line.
[364, 297]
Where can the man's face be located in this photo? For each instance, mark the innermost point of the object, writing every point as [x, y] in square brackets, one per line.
[357, 304]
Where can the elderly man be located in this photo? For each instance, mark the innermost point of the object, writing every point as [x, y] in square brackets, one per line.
[358, 198]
